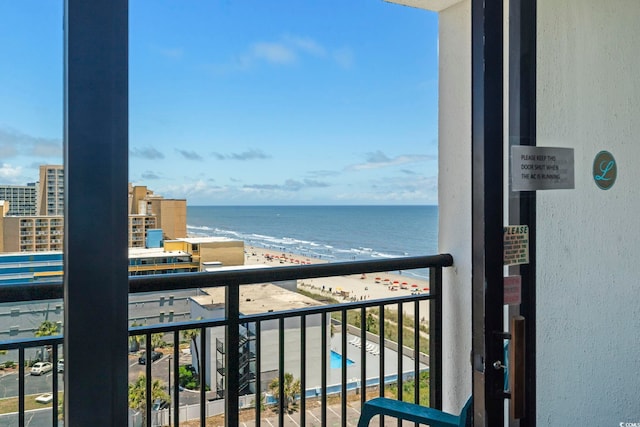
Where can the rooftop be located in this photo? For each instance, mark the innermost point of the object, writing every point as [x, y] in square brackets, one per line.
[209, 239]
[257, 299]
[153, 252]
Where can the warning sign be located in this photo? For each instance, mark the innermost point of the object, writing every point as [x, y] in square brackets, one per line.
[512, 290]
[516, 244]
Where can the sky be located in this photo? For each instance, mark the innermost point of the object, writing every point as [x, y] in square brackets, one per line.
[245, 102]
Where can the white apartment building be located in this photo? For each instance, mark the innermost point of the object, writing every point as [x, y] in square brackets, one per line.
[22, 198]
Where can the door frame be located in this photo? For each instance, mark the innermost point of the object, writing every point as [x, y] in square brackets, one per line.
[488, 197]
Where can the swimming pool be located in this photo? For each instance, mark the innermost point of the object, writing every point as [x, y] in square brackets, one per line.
[336, 360]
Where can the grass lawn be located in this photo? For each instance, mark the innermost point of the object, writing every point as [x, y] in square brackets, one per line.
[10, 404]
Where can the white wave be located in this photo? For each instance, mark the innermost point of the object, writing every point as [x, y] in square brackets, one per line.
[345, 251]
[195, 227]
[261, 236]
[383, 255]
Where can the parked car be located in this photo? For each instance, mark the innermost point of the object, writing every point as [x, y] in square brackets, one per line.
[159, 404]
[41, 368]
[155, 355]
[61, 365]
[45, 398]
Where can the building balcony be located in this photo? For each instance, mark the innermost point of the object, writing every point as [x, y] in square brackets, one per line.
[341, 353]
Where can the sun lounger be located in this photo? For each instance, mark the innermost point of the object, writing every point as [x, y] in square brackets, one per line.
[415, 413]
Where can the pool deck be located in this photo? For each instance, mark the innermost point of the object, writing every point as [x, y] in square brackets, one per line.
[353, 352]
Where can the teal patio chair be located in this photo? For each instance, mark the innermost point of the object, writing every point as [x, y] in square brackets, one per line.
[416, 413]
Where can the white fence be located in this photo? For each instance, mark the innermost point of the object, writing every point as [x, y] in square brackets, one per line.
[187, 412]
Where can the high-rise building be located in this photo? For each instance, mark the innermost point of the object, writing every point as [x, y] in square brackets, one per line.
[22, 198]
[36, 233]
[153, 211]
[44, 229]
[51, 197]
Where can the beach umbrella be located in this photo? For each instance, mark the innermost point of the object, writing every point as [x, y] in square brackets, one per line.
[426, 289]
[387, 280]
[414, 286]
[396, 282]
[404, 283]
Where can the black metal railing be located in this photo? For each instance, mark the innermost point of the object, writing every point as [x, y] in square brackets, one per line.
[370, 347]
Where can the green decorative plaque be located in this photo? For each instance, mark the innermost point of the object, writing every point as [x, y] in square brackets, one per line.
[605, 170]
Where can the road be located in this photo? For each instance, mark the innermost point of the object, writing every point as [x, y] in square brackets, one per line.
[35, 418]
[32, 384]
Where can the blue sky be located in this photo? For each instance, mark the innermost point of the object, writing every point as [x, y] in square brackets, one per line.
[247, 101]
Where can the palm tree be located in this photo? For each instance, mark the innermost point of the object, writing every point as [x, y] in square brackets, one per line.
[192, 334]
[135, 341]
[138, 394]
[291, 389]
[46, 329]
[157, 340]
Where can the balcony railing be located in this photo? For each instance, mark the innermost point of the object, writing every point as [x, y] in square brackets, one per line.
[341, 327]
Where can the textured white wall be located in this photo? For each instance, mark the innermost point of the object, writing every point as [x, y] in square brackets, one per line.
[454, 198]
[588, 307]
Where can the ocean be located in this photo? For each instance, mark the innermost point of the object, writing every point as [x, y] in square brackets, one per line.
[333, 233]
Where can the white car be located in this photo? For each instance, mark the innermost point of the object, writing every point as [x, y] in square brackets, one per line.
[41, 368]
[45, 398]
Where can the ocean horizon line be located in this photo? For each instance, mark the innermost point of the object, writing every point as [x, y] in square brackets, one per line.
[311, 205]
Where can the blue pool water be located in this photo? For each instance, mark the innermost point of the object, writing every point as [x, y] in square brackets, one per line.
[336, 360]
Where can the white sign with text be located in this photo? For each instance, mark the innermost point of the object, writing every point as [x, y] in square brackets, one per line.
[541, 168]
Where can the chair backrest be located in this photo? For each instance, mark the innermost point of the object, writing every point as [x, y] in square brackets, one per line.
[466, 415]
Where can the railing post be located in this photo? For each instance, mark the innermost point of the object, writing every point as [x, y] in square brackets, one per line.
[435, 338]
[232, 354]
[96, 159]
[21, 388]
[281, 367]
[202, 371]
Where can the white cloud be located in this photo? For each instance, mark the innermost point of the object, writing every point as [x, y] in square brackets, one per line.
[287, 50]
[14, 143]
[10, 172]
[306, 44]
[344, 57]
[378, 159]
[412, 190]
[172, 53]
[275, 53]
[193, 190]
[148, 153]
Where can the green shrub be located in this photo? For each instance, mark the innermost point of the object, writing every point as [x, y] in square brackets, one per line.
[187, 378]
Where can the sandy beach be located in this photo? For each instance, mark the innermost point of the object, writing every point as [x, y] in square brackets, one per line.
[346, 288]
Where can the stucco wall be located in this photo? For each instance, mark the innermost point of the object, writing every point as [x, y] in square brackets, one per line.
[588, 302]
[454, 198]
[228, 253]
